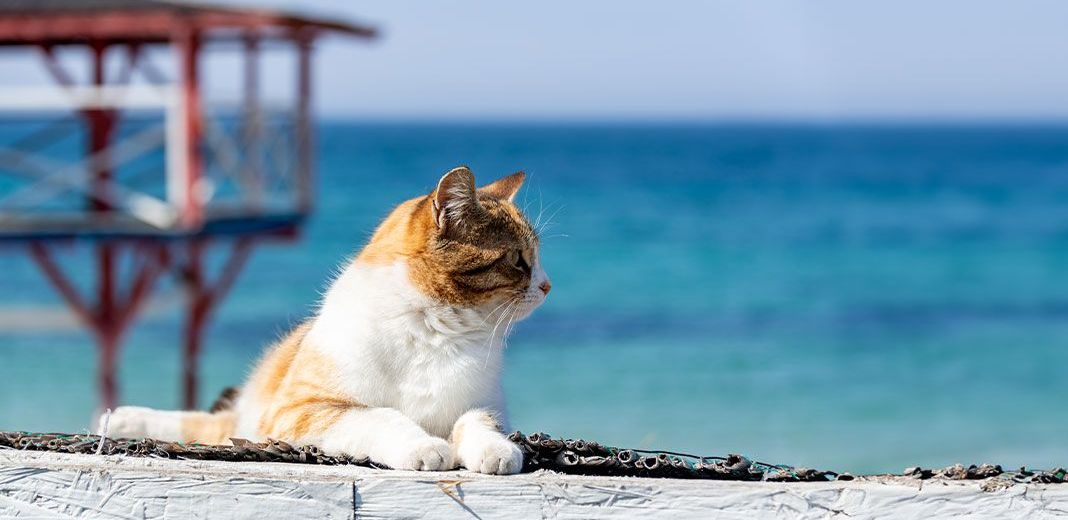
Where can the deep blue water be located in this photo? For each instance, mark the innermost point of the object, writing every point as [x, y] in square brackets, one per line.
[860, 298]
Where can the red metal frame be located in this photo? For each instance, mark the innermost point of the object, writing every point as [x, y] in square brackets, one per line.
[111, 306]
[204, 296]
[113, 311]
[187, 41]
[110, 316]
[121, 26]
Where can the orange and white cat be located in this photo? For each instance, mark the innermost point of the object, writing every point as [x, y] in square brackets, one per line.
[402, 362]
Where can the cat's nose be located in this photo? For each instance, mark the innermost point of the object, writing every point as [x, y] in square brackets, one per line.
[545, 286]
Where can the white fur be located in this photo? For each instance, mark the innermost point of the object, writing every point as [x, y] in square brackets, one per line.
[417, 364]
[385, 435]
[482, 448]
[135, 422]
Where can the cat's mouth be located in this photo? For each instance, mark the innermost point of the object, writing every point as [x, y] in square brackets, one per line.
[502, 315]
[527, 304]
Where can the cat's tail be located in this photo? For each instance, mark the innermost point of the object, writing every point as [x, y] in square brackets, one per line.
[226, 400]
[136, 422]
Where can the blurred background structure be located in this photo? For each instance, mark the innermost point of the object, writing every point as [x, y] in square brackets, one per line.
[160, 177]
[828, 234]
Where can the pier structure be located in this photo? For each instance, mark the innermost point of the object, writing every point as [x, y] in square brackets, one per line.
[125, 157]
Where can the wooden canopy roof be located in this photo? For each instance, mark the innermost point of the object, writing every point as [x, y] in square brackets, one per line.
[66, 22]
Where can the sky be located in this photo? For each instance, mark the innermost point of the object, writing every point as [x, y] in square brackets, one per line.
[684, 60]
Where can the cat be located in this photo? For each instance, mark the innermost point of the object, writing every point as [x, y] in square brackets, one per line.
[401, 364]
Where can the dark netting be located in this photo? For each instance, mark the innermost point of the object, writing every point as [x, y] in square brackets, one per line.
[242, 450]
[540, 452]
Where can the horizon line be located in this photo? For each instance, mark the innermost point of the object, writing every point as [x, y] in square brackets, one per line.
[704, 121]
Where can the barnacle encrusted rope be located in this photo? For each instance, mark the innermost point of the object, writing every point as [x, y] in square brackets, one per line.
[540, 451]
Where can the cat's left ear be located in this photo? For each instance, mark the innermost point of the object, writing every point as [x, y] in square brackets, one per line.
[454, 196]
[504, 188]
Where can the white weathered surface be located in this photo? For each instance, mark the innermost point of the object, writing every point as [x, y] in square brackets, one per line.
[50, 485]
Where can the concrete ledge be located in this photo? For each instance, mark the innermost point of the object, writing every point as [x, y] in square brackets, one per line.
[53, 485]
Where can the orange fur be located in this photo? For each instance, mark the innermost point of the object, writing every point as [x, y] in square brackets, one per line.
[296, 385]
[207, 428]
[307, 401]
[272, 369]
[403, 234]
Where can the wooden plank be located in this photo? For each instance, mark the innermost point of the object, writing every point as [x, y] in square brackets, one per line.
[103, 494]
[50, 485]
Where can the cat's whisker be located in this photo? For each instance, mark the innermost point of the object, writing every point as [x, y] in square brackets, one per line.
[548, 221]
[515, 310]
[526, 204]
[490, 313]
[509, 325]
[490, 347]
[493, 332]
[513, 304]
[539, 226]
[541, 211]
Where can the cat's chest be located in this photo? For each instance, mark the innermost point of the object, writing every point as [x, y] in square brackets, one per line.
[435, 387]
[392, 348]
[431, 376]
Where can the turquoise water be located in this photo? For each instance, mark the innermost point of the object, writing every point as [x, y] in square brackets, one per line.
[860, 298]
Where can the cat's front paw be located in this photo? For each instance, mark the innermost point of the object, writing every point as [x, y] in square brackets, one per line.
[429, 454]
[496, 456]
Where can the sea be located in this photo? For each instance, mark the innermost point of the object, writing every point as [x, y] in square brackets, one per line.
[859, 297]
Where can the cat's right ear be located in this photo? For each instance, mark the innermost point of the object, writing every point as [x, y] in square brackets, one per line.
[454, 196]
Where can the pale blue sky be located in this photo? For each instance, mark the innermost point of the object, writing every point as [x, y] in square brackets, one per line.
[692, 59]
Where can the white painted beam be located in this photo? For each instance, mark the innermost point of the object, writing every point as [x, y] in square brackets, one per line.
[51, 485]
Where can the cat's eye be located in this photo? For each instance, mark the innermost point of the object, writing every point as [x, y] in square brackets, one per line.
[521, 263]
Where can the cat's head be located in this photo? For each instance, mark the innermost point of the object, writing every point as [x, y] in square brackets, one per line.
[466, 246]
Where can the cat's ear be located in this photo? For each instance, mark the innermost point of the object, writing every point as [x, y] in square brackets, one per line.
[505, 188]
[454, 196]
